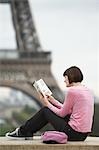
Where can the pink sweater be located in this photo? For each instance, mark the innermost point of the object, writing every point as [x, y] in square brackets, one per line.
[79, 102]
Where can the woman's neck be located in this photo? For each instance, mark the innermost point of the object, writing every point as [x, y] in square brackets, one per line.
[76, 84]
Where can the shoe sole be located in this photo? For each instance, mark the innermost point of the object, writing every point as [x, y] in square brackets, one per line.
[18, 138]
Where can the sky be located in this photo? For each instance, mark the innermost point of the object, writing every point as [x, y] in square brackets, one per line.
[70, 30]
[67, 28]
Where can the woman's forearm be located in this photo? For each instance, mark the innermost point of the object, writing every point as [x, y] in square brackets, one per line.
[55, 102]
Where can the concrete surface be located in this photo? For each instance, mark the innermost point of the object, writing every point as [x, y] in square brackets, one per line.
[91, 143]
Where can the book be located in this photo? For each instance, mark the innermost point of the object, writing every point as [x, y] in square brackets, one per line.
[41, 87]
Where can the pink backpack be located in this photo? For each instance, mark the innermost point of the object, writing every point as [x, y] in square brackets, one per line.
[54, 137]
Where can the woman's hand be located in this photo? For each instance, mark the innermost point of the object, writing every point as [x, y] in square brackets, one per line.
[43, 99]
[50, 98]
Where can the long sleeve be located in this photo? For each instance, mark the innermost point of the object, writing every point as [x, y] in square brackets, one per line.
[57, 103]
[66, 108]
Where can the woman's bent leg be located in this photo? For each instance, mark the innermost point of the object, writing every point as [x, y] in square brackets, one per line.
[44, 116]
[40, 119]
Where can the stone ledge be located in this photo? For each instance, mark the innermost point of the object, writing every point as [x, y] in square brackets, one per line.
[91, 143]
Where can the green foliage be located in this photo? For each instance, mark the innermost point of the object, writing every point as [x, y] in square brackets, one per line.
[95, 130]
[29, 110]
[18, 118]
[23, 115]
[4, 128]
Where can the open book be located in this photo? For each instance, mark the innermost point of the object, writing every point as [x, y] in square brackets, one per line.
[41, 87]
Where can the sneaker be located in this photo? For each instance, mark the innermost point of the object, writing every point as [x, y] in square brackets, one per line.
[15, 135]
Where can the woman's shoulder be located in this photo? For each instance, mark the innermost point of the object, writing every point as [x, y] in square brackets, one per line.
[79, 89]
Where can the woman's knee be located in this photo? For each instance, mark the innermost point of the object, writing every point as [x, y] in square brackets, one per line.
[46, 111]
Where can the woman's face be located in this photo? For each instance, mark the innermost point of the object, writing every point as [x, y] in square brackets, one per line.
[66, 80]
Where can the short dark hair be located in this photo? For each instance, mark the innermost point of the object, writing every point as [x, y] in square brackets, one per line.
[74, 74]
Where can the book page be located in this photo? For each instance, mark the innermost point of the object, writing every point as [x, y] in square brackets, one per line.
[41, 87]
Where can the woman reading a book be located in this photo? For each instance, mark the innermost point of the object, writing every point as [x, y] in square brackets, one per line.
[74, 117]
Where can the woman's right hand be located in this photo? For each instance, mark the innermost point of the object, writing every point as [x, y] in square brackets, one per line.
[43, 99]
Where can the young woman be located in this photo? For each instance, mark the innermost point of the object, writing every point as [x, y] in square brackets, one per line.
[74, 117]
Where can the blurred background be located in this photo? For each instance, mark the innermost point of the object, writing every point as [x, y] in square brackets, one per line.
[67, 28]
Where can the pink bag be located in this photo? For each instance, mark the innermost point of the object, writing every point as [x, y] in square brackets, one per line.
[54, 137]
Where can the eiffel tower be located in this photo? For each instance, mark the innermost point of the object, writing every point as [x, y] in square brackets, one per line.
[28, 62]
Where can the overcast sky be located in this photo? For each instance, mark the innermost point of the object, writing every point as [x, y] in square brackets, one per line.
[68, 28]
